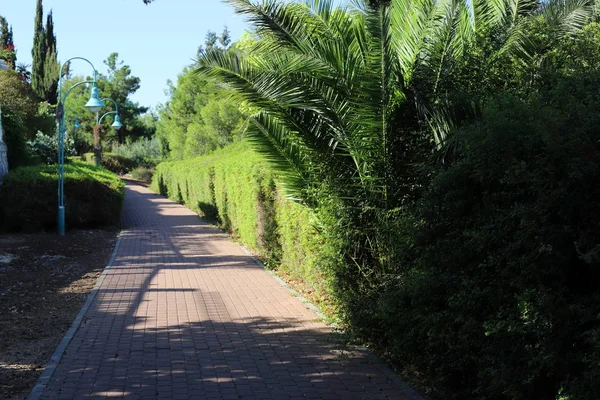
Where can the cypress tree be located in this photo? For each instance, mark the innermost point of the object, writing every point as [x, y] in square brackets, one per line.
[6, 43]
[9, 40]
[51, 65]
[37, 52]
[4, 32]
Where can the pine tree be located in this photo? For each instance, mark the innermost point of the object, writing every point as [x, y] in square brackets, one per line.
[225, 38]
[51, 65]
[38, 52]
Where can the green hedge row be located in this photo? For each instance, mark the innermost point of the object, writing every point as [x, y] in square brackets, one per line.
[234, 187]
[28, 197]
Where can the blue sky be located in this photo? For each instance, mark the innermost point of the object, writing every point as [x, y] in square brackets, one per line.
[156, 41]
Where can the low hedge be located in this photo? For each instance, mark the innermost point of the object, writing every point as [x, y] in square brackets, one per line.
[235, 188]
[113, 162]
[28, 197]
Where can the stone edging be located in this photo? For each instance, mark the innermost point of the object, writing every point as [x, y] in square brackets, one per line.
[387, 371]
[44, 378]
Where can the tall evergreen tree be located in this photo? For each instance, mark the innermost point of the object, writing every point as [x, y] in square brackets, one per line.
[7, 46]
[4, 32]
[38, 52]
[10, 39]
[51, 65]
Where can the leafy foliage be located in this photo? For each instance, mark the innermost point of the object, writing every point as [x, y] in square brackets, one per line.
[143, 152]
[45, 147]
[19, 116]
[339, 101]
[199, 118]
[28, 201]
[117, 84]
[115, 163]
[497, 284]
[51, 65]
[7, 45]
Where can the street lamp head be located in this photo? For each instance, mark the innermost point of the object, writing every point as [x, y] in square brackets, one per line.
[94, 104]
[117, 124]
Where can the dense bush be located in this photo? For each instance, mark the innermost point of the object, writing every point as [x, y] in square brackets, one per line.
[234, 187]
[22, 116]
[113, 162]
[28, 198]
[496, 292]
[143, 152]
[143, 174]
[45, 148]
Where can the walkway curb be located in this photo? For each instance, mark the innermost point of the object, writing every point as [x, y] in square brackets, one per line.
[388, 372]
[44, 378]
[307, 303]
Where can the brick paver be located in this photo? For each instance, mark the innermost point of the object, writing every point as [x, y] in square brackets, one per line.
[184, 313]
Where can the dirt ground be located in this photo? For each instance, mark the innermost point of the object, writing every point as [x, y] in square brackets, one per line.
[44, 281]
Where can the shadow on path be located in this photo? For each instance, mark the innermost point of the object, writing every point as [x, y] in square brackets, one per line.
[184, 313]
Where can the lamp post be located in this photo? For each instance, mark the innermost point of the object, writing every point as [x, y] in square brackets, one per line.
[94, 105]
[116, 126]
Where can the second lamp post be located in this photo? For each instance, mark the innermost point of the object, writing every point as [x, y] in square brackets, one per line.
[97, 136]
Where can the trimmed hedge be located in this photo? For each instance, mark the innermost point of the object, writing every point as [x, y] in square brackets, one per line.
[235, 188]
[113, 162]
[28, 197]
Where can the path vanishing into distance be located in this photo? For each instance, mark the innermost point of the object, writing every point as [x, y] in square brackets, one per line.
[183, 312]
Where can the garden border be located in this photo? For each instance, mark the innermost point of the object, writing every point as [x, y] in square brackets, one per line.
[44, 378]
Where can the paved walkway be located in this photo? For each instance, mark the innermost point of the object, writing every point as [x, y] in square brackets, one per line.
[184, 313]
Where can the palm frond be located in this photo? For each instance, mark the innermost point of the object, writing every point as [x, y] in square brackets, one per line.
[568, 16]
[286, 155]
[488, 14]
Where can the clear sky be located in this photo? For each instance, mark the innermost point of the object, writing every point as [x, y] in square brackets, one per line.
[156, 41]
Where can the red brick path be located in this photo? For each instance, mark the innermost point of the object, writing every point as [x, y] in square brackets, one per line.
[184, 313]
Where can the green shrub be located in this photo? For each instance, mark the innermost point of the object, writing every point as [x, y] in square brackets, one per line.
[15, 138]
[234, 187]
[28, 197]
[113, 162]
[143, 174]
[45, 148]
[144, 152]
[495, 294]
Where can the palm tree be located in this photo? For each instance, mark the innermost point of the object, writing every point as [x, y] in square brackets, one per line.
[320, 81]
[328, 88]
[433, 40]
[323, 81]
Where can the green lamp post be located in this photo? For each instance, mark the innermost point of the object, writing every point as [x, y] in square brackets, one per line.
[94, 105]
[116, 126]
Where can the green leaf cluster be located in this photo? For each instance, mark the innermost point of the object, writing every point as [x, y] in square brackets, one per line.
[200, 117]
[117, 83]
[21, 116]
[494, 286]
